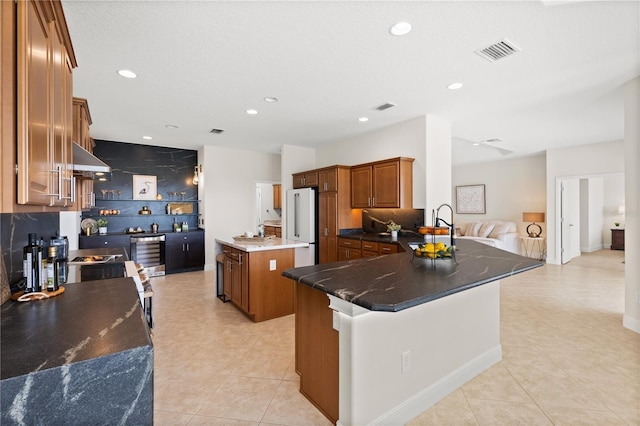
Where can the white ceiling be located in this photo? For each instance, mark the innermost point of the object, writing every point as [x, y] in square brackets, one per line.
[201, 64]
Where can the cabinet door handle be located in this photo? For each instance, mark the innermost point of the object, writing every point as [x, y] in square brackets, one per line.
[369, 201]
[187, 246]
[73, 189]
[326, 232]
[58, 170]
[373, 203]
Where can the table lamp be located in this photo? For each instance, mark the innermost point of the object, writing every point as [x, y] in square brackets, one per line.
[533, 217]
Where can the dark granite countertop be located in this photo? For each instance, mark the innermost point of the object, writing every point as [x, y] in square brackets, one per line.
[89, 320]
[143, 233]
[399, 281]
[77, 272]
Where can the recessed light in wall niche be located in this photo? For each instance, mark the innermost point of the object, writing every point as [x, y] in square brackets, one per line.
[363, 119]
[147, 138]
[251, 111]
[170, 126]
[400, 29]
[455, 86]
[270, 100]
[127, 73]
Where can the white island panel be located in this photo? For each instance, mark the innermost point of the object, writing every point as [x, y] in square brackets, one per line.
[448, 341]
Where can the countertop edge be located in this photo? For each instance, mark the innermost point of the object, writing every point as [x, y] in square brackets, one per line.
[274, 244]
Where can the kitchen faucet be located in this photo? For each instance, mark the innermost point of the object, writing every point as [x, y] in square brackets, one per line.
[451, 225]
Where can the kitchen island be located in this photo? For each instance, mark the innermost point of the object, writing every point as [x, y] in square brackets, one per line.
[82, 357]
[379, 340]
[252, 276]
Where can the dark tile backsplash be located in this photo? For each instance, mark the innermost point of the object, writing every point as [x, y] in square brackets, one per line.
[376, 220]
[14, 235]
[173, 169]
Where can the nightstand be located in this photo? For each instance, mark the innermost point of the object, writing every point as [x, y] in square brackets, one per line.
[534, 245]
[617, 239]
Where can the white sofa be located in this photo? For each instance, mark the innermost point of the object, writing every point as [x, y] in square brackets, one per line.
[496, 233]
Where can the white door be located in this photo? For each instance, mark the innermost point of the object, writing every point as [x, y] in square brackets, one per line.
[569, 219]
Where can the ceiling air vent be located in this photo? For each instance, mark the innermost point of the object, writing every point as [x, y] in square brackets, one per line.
[384, 106]
[498, 50]
[216, 131]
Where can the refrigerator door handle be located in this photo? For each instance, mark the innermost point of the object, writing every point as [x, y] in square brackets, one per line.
[296, 200]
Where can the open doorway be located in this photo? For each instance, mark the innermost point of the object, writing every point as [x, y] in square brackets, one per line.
[589, 208]
[268, 207]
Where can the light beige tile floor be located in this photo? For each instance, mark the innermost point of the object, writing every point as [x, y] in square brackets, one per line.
[567, 360]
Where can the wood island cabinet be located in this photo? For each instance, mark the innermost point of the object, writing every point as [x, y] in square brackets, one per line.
[45, 63]
[259, 290]
[317, 351]
[383, 184]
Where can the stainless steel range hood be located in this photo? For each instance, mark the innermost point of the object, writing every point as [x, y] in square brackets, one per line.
[86, 164]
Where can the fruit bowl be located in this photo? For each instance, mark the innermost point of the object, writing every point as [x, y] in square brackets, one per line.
[433, 230]
[433, 251]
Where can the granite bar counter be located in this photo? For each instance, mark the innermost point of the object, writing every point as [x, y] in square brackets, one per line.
[400, 281]
[379, 340]
[82, 357]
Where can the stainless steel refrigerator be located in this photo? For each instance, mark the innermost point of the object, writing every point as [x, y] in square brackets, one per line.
[302, 223]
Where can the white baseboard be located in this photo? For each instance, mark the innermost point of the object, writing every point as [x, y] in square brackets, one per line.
[632, 324]
[423, 400]
[591, 249]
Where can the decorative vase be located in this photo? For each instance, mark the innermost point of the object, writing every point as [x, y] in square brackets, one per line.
[394, 234]
[102, 230]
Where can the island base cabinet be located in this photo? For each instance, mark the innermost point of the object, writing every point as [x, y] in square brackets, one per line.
[254, 283]
[317, 350]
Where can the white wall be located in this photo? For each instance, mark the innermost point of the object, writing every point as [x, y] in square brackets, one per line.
[591, 214]
[578, 161]
[406, 139]
[512, 187]
[632, 204]
[229, 192]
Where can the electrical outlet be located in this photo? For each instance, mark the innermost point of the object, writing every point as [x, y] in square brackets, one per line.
[406, 361]
[272, 265]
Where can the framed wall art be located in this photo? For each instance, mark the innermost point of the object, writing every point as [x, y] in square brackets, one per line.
[470, 199]
[144, 187]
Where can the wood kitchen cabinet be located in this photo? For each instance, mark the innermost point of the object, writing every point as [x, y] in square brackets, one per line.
[85, 197]
[184, 251]
[383, 184]
[277, 196]
[251, 283]
[45, 63]
[305, 179]
[349, 249]
[273, 231]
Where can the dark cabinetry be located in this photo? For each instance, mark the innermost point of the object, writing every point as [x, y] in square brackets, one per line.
[184, 251]
[105, 241]
[617, 239]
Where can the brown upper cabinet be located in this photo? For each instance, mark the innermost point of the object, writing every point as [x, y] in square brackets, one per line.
[305, 179]
[383, 184]
[45, 62]
[85, 197]
[277, 196]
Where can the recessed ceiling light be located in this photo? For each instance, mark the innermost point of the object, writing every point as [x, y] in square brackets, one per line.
[170, 126]
[270, 99]
[455, 86]
[400, 29]
[127, 73]
[363, 119]
[251, 111]
[147, 138]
